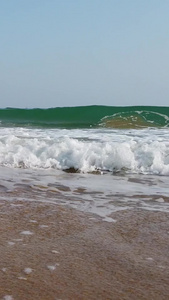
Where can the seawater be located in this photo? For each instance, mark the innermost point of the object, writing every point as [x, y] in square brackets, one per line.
[102, 160]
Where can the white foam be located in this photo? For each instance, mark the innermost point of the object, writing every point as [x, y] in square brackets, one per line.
[4, 270]
[109, 219]
[55, 251]
[26, 232]
[141, 151]
[160, 200]
[28, 271]
[52, 267]
[11, 243]
[8, 297]
[43, 226]
[22, 278]
[17, 205]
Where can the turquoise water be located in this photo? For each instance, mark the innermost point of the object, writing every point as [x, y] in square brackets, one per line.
[87, 117]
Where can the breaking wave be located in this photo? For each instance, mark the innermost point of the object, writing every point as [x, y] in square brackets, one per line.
[143, 151]
[86, 117]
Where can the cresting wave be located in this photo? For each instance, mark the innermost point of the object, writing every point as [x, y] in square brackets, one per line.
[87, 117]
[143, 151]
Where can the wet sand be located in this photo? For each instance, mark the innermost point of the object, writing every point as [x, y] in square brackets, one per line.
[53, 252]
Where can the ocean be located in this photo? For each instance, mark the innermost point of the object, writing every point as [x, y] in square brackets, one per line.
[96, 159]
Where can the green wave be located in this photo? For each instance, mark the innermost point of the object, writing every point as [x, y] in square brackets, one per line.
[87, 116]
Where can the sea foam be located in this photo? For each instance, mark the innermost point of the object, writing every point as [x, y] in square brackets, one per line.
[133, 151]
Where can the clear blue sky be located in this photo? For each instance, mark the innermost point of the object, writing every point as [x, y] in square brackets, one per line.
[82, 52]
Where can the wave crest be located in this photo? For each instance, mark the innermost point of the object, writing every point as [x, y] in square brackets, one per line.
[86, 117]
[135, 120]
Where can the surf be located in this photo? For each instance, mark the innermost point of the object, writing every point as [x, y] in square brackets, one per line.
[93, 116]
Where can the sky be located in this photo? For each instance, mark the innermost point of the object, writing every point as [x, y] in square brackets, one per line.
[84, 52]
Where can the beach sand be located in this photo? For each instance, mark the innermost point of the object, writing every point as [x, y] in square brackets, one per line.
[53, 252]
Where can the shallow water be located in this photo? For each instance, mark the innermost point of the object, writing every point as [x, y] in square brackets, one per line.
[93, 169]
[101, 195]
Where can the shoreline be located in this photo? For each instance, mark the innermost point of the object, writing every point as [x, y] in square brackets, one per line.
[49, 251]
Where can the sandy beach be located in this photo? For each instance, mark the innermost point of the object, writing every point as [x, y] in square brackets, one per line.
[54, 252]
